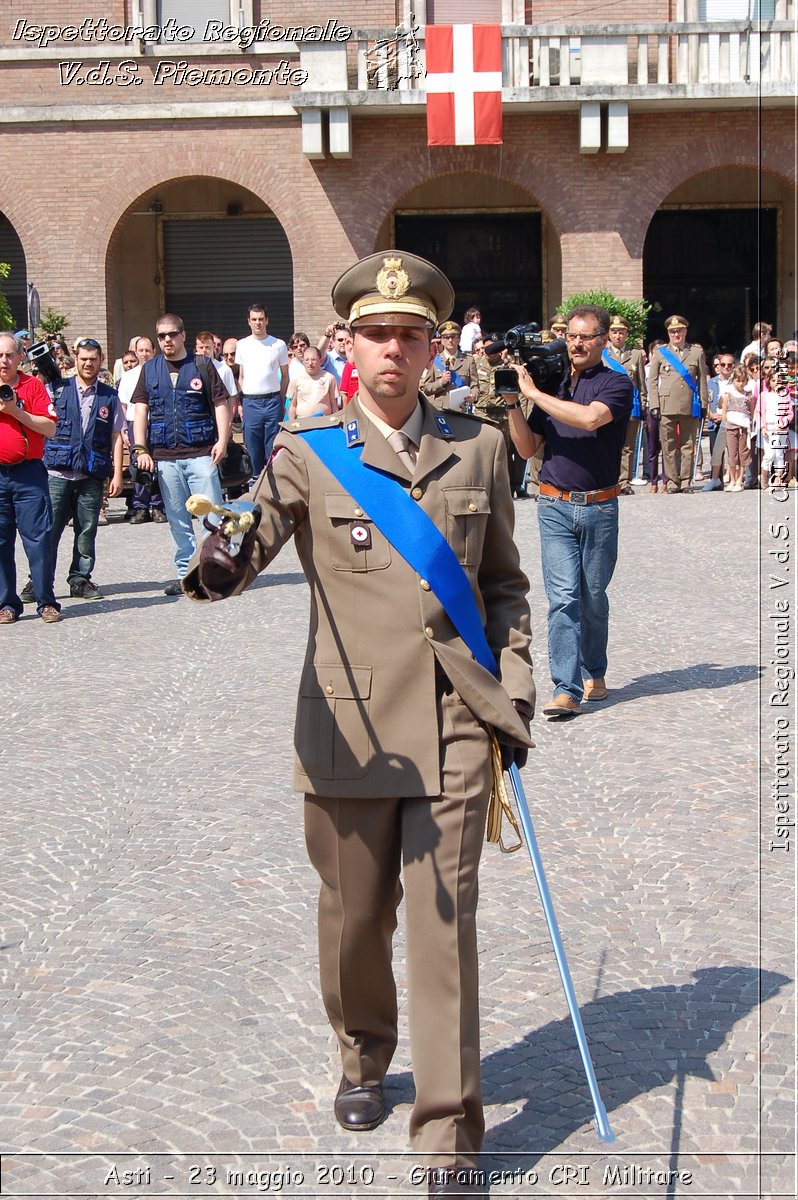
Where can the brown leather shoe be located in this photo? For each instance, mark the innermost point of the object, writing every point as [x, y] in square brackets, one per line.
[50, 615]
[561, 706]
[7, 616]
[595, 689]
[359, 1108]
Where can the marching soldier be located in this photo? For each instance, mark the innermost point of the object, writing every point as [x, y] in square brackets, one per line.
[677, 394]
[392, 750]
[631, 359]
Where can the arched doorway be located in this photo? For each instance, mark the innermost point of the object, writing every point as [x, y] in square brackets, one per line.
[204, 249]
[15, 286]
[715, 252]
[489, 237]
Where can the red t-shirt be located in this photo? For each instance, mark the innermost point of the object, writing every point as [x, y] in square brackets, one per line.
[349, 381]
[17, 442]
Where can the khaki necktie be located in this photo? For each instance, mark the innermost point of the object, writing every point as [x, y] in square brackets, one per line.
[404, 449]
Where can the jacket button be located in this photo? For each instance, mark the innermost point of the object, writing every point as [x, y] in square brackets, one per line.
[423, 583]
[430, 632]
[472, 506]
[358, 512]
[329, 689]
[417, 493]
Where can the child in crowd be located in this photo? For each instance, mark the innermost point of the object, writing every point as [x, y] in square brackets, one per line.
[774, 417]
[315, 393]
[737, 406]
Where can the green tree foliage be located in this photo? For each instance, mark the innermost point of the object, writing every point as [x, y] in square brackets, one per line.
[52, 323]
[635, 311]
[6, 316]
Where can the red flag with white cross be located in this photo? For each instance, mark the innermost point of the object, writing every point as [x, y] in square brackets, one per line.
[464, 85]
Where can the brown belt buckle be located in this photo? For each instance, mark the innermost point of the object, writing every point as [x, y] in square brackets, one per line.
[578, 497]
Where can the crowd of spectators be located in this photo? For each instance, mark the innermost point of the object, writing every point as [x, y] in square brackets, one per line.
[744, 438]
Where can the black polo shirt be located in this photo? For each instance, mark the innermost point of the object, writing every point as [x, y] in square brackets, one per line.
[585, 460]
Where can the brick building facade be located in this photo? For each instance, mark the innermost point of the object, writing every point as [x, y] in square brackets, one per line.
[654, 158]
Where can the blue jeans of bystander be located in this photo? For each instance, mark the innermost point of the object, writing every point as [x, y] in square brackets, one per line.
[180, 478]
[579, 548]
[80, 499]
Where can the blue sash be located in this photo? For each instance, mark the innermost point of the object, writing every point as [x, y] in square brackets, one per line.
[409, 530]
[457, 380]
[613, 363]
[681, 369]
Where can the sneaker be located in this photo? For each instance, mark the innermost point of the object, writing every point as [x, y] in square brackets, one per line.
[85, 590]
[158, 516]
[7, 616]
[175, 588]
[50, 614]
[714, 485]
[27, 595]
[140, 516]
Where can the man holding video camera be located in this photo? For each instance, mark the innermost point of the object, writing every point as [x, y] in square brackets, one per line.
[582, 430]
[27, 417]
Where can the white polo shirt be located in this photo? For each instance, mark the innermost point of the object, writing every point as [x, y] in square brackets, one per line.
[260, 360]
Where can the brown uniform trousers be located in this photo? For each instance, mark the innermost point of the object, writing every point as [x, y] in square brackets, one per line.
[392, 749]
[678, 427]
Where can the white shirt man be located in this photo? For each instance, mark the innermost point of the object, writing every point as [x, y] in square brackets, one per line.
[263, 380]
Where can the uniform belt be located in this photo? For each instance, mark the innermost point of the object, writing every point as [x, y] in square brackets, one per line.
[260, 395]
[596, 497]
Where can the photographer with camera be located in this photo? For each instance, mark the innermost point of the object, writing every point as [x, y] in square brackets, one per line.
[582, 430]
[27, 417]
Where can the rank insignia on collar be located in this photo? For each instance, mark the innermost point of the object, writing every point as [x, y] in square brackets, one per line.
[352, 433]
[444, 426]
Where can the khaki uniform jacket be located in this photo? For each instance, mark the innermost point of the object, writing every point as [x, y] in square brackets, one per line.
[431, 385]
[632, 359]
[367, 719]
[667, 391]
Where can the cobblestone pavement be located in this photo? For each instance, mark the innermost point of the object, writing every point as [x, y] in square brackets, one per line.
[164, 1028]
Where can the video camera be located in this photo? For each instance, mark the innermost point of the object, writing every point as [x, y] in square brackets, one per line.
[547, 362]
[43, 362]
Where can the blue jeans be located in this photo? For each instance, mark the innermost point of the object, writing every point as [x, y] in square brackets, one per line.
[262, 417]
[579, 548]
[80, 499]
[25, 508]
[179, 479]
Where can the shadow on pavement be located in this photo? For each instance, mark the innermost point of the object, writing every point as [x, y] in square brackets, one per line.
[639, 1040]
[698, 677]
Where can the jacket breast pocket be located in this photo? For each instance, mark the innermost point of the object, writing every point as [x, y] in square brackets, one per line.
[354, 543]
[467, 510]
[333, 730]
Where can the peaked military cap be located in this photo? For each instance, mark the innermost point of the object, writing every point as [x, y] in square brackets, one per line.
[676, 322]
[619, 322]
[448, 327]
[393, 281]
[558, 322]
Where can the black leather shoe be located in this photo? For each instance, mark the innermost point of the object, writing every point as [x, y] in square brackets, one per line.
[175, 588]
[359, 1108]
[140, 516]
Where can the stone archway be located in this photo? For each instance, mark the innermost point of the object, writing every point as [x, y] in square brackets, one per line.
[718, 250]
[203, 247]
[489, 235]
[15, 285]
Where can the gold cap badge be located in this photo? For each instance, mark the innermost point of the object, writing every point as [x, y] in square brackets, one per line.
[393, 280]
